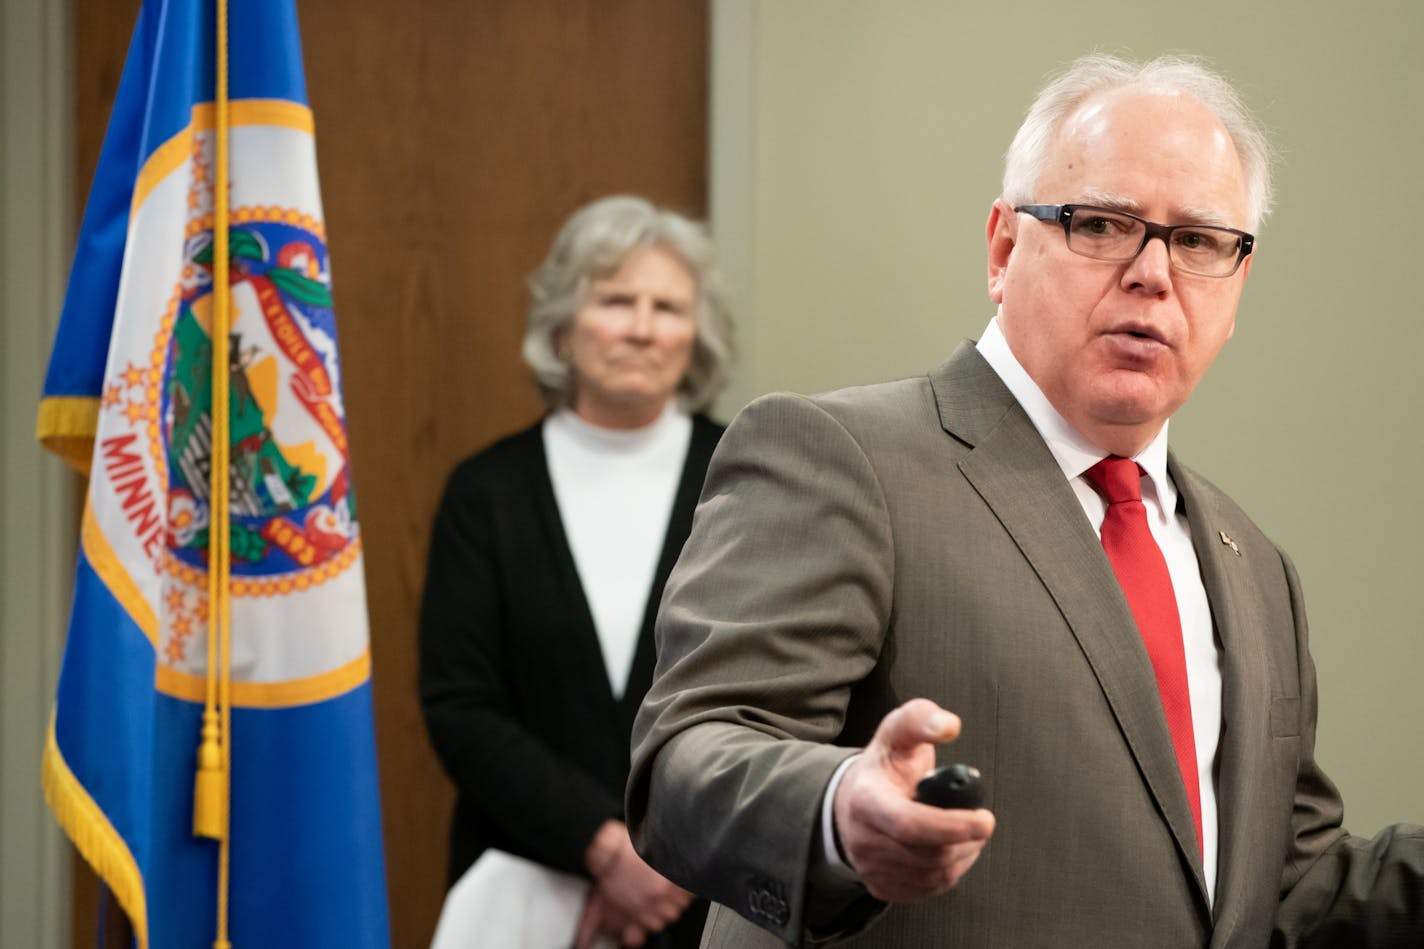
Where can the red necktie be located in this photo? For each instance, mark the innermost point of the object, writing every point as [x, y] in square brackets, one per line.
[1142, 571]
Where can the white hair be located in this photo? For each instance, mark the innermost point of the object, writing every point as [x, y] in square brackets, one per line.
[593, 243]
[1028, 153]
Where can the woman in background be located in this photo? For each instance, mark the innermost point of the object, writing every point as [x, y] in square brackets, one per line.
[549, 554]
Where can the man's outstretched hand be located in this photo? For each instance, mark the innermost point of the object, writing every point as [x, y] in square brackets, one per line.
[903, 850]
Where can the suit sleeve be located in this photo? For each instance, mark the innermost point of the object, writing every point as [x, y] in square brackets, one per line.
[777, 608]
[1339, 890]
[545, 809]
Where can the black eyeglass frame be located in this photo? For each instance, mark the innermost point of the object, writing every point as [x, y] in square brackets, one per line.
[1063, 214]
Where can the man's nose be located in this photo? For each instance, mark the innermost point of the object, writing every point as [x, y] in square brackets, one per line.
[1151, 270]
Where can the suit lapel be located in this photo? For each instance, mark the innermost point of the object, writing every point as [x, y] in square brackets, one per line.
[1013, 471]
[1226, 574]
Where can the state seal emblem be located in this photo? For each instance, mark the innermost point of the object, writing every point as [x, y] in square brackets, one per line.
[295, 542]
[292, 507]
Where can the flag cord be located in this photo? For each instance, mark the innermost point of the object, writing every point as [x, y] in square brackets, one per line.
[212, 788]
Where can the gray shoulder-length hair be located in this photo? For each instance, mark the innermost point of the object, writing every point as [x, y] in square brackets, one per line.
[1024, 162]
[593, 244]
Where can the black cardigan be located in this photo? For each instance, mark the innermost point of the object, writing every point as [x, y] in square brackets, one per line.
[512, 681]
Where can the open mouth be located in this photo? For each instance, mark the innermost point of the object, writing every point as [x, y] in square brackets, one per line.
[1145, 333]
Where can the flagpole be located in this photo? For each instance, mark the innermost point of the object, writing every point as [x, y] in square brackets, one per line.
[222, 359]
[212, 792]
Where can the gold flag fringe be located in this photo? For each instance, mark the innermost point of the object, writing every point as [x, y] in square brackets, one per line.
[66, 425]
[97, 841]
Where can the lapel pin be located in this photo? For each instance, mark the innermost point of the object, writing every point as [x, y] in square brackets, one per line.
[1226, 539]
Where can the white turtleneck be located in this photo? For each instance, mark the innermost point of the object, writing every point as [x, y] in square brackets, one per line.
[615, 490]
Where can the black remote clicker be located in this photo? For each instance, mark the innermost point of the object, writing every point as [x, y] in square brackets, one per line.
[954, 785]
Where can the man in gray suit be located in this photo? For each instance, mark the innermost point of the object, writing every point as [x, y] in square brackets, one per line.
[1009, 538]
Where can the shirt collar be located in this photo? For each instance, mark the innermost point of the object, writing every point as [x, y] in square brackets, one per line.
[1074, 453]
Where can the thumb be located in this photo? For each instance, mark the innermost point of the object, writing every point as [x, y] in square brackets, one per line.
[917, 722]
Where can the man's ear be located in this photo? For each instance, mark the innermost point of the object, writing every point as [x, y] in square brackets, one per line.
[1250, 259]
[1001, 234]
[1245, 272]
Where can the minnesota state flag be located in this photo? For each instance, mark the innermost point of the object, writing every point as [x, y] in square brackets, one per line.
[129, 398]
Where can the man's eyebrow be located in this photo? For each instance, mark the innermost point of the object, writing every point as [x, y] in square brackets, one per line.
[1186, 214]
[1109, 201]
[1210, 217]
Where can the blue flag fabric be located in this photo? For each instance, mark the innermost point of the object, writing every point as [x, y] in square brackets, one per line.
[128, 398]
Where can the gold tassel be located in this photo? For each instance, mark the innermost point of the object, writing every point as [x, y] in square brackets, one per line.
[209, 788]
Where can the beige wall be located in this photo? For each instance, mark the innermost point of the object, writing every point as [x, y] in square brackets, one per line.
[856, 150]
[36, 521]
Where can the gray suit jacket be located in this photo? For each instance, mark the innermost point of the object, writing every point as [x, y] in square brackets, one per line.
[858, 549]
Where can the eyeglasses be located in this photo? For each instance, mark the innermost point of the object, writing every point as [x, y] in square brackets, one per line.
[1104, 234]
